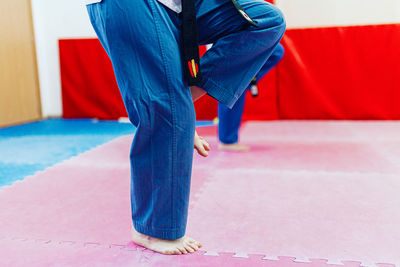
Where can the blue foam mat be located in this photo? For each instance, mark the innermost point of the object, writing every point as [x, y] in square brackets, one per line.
[31, 147]
[68, 127]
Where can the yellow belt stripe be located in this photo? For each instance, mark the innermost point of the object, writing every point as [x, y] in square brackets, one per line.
[194, 68]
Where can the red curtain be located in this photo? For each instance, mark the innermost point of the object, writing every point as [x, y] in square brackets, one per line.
[326, 73]
[89, 89]
[340, 73]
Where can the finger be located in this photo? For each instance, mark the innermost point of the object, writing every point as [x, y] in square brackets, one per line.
[200, 149]
[206, 146]
[203, 152]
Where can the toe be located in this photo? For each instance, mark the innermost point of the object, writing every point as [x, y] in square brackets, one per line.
[189, 248]
[172, 252]
[192, 241]
[182, 250]
[193, 246]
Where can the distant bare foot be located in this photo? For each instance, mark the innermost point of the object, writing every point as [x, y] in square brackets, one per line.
[201, 145]
[234, 147]
[179, 246]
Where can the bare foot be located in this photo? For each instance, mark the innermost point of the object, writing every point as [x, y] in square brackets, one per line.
[201, 145]
[233, 147]
[179, 246]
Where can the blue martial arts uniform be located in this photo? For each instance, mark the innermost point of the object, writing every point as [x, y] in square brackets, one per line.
[230, 119]
[143, 40]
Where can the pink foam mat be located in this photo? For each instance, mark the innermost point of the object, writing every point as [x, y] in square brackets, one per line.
[291, 201]
[51, 253]
[326, 216]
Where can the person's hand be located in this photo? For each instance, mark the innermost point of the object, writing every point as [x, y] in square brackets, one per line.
[201, 145]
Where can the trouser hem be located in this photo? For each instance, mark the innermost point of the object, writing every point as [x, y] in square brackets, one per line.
[228, 142]
[221, 94]
[170, 234]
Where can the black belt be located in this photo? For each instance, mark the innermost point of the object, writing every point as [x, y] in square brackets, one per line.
[190, 40]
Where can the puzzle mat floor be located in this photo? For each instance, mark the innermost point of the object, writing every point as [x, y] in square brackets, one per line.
[308, 194]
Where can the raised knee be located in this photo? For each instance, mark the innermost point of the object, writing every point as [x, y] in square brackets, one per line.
[281, 21]
[277, 19]
[272, 25]
[271, 17]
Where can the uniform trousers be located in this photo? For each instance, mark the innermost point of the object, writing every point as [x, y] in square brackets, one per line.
[143, 40]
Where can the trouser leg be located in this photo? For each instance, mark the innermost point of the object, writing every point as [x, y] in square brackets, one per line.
[142, 40]
[239, 50]
[230, 119]
[142, 43]
[272, 61]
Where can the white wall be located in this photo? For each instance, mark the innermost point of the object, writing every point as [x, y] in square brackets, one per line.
[52, 20]
[315, 13]
[55, 19]
[398, 9]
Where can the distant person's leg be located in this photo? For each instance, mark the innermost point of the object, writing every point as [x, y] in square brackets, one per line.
[228, 125]
[230, 119]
